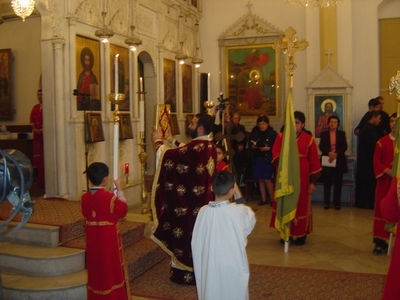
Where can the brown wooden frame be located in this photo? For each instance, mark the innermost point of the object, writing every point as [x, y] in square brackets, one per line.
[125, 126]
[94, 127]
[6, 96]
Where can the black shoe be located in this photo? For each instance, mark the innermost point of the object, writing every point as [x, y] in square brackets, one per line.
[300, 241]
[337, 207]
[262, 203]
[326, 206]
[379, 251]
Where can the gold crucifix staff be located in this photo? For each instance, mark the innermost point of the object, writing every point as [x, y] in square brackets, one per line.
[289, 45]
[394, 86]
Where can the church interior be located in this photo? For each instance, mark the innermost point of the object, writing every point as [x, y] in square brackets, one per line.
[179, 53]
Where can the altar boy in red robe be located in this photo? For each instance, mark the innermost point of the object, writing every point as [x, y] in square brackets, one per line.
[104, 260]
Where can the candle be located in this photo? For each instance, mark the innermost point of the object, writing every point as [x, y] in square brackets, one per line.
[116, 74]
[126, 169]
[141, 106]
[141, 84]
[209, 87]
[115, 152]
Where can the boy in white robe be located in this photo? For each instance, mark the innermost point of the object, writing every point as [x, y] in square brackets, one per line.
[219, 243]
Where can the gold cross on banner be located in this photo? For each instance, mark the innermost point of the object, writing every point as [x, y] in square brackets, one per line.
[394, 86]
[289, 45]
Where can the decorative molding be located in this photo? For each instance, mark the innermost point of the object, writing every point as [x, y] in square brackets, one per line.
[328, 78]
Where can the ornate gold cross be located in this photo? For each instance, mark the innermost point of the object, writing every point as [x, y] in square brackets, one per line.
[289, 45]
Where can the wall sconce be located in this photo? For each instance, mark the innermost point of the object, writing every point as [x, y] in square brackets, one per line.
[133, 42]
[105, 33]
[197, 62]
[23, 8]
[181, 57]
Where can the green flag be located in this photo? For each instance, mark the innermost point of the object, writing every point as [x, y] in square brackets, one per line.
[396, 167]
[288, 176]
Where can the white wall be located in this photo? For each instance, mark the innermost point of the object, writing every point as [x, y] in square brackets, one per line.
[23, 38]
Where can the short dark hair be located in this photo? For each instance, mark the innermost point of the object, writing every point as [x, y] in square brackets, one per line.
[222, 147]
[373, 102]
[206, 121]
[96, 172]
[393, 115]
[334, 117]
[223, 182]
[263, 118]
[300, 116]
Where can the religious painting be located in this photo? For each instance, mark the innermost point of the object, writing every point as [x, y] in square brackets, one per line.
[252, 80]
[324, 107]
[5, 85]
[119, 74]
[170, 84]
[187, 98]
[193, 3]
[94, 132]
[87, 74]
[125, 126]
[173, 122]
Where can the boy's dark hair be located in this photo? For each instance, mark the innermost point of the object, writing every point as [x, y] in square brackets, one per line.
[263, 119]
[373, 114]
[206, 121]
[300, 116]
[222, 183]
[393, 115]
[96, 172]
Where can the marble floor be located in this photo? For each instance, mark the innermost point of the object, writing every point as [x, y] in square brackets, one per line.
[341, 240]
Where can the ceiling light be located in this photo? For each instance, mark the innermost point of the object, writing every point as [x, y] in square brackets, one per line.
[23, 8]
[106, 33]
[197, 62]
[133, 42]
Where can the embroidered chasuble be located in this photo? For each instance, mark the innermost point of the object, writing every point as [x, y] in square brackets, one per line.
[107, 277]
[182, 185]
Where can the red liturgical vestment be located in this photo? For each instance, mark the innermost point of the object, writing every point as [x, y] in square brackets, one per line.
[104, 260]
[182, 185]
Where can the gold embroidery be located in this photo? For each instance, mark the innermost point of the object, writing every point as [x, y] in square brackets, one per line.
[188, 277]
[200, 169]
[198, 190]
[211, 166]
[199, 147]
[169, 186]
[180, 211]
[106, 292]
[112, 204]
[178, 252]
[166, 226]
[169, 164]
[182, 168]
[181, 190]
[177, 232]
[183, 149]
[101, 223]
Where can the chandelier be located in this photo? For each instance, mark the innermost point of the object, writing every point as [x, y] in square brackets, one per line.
[105, 33]
[23, 8]
[134, 41]
[313, 3]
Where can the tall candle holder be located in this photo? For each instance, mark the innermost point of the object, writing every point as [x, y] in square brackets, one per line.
[142, 155]
[117, 99]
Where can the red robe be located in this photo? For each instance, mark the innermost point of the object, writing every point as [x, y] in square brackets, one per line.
[104, 259]
[310, 171]
[36, 119]
[182, 185]
[390, 211]
[383, 160]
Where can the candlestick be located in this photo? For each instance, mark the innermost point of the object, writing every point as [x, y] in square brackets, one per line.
[126, 168]
[141, 105]
[209, 87]
[115, 152]
[116, 74]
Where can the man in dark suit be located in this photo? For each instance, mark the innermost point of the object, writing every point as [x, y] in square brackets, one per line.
[334, 145]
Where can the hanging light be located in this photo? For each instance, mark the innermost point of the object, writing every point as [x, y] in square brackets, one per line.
[23, 8]
[313, 3]
[106, 33]
[181, 57]
[133, 42]
[197, 62]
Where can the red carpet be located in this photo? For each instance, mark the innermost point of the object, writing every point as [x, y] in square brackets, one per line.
[53, 211]
[271, 283]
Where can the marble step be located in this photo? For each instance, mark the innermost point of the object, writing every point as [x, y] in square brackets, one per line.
[40, 261]
[33, 234]
[23, 287]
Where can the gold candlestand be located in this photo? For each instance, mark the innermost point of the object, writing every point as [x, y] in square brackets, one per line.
[208, 105]
[143, 160]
